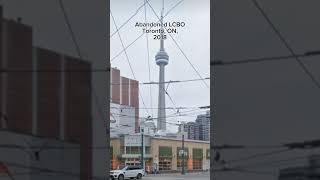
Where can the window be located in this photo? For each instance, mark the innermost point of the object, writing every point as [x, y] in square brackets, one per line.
[197, 157]
[133, 150]
[197, 164]
[165, 158]
[147, 150]
[164, 164]
[165, 151]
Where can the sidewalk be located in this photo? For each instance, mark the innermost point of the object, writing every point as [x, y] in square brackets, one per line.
[179, 174]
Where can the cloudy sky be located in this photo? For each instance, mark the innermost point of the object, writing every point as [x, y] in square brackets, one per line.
[194, 40]
[267, 103]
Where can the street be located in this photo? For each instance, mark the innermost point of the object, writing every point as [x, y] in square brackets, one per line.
[191, 176]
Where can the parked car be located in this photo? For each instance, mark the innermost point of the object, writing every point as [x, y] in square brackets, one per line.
[128, 172]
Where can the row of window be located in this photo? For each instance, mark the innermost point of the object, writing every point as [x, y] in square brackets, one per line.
[134, 150]
[197, 153]
[165, 164]
[163, 151]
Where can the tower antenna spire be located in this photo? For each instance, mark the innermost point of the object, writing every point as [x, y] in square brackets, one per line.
[162, 29]
[162, 59]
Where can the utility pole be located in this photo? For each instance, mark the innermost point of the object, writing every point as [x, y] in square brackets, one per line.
[183, 170]
[142, 149]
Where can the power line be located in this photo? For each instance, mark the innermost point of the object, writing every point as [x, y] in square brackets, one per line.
[155, 108]
[127, 57]
[181, 107]
[166, 82]
[23, 70]
[288, 147]
[258, 156]
[273, 163]
[173, 7]
[98, 105]
[148, 54]
[67, 21]
[47, 170]
[242, 170]
[183, 53]
[233, 147]
[171, 100]
[281, 37]
[72, 34]
[263, 59]
[169, 116]
[130, 44]
[96, 100]
[134, 14]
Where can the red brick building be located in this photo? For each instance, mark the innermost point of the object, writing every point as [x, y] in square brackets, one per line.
[125, 91]
[43, 93]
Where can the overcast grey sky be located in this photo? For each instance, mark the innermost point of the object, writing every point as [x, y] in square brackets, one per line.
[194, 40]
[265, 103]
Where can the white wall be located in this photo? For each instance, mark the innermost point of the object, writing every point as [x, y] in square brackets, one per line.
[114, 118]
[124, 119]
[135, 140]
[127, 121]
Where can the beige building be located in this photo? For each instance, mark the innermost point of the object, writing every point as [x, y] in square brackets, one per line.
[160, 153]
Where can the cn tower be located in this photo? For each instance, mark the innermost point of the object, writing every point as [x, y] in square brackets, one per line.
[162, 60]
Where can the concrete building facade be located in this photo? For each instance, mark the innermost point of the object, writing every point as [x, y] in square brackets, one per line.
[45, 93]
[90, 24]
[193, 131]
[163, 154]
[62, 158]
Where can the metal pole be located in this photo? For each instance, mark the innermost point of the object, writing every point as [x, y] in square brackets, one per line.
[142, 158]
[183, 170]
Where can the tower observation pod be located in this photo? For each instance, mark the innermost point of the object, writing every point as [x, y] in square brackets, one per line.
[162, 60]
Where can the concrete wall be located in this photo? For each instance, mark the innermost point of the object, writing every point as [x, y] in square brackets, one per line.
[127, 120]
[17, 87]
[89, 21]
[61, 158]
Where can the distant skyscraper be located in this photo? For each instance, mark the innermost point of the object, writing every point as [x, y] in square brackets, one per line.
[193, 131]
[162, 60]
[198, 130]
[203, 121]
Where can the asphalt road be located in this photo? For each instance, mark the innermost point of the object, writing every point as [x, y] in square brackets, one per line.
[198, 176]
